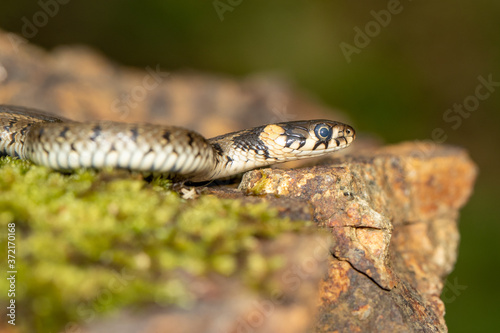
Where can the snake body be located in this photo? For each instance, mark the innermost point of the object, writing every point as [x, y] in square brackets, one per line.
[63, 144]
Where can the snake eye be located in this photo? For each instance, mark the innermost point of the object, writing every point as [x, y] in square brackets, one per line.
[323, 132]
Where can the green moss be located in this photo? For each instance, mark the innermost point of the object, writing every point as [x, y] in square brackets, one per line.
[88, 243]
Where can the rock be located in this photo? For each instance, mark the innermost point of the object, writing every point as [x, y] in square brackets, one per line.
[393, 216]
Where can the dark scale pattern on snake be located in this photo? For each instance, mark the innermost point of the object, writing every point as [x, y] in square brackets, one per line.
[63, 144]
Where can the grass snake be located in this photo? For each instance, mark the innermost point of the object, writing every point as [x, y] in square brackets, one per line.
[63, 144]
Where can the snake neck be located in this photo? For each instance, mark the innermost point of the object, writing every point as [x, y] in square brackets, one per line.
[238, 152]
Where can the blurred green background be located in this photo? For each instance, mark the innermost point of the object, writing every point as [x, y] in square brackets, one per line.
[399, 84]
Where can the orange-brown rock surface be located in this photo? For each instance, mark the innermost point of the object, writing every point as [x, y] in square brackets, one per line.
[393, 216]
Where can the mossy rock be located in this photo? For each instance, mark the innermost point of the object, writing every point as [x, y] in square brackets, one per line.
[82, 235]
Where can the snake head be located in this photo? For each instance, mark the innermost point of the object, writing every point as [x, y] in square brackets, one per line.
[331, 134]
[308, 138]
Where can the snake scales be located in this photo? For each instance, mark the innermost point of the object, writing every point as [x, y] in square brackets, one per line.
[63, 144]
